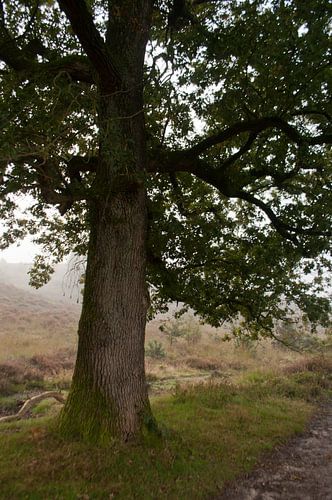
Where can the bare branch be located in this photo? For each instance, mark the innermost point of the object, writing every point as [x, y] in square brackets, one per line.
[30, 403]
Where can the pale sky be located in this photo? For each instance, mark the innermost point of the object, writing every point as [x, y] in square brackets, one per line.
[25, 252]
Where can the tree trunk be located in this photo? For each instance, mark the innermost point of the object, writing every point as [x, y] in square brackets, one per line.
[109, 394]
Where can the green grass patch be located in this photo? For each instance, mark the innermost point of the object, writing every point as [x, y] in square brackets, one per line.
[212, 433]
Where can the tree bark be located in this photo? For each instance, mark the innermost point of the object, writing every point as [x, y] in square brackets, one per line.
[109, 393]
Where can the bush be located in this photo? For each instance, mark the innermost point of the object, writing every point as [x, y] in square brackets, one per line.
[155, 350]
[15, 376]
[53, 364]
[203, 363]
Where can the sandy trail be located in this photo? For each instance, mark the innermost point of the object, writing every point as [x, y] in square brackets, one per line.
[301, 469]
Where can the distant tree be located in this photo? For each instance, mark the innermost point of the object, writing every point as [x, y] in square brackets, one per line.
[172, 329]
[185, 146]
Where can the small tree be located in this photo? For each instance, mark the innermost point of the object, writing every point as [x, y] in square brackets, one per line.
[192, 331]
[173, 329]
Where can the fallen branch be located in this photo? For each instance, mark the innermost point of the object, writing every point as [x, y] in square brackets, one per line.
[30, 403]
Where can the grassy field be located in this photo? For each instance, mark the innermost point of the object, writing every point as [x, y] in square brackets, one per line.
[211, 433]
[220, 406]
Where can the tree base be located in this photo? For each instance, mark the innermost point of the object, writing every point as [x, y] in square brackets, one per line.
[88, 416]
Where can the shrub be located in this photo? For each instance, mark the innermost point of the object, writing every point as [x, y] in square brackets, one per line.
[155, 350]
[15, 375]
[296, 337]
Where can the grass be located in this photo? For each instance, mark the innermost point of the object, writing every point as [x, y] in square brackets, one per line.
[212, 433]
[237, 404]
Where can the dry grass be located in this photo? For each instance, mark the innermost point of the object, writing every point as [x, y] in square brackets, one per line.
[31, 326]
[211, 353]
[38, 339]
[251, 398]
[23, 374]
[312, 363]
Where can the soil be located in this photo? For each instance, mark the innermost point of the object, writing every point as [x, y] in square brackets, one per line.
[299, 470]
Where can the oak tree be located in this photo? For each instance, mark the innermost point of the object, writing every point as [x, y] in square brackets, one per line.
[185, 146]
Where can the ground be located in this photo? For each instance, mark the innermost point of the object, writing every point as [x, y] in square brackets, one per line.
[222, 407]
[299, 470]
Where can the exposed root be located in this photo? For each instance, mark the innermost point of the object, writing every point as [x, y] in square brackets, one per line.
[30, 403]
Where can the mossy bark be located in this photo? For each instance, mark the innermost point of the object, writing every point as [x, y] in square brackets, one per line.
[109, 394]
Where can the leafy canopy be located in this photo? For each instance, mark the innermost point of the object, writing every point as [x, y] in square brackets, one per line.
[238, 115]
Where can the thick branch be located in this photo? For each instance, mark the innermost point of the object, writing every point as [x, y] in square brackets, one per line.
[54, 189]
[255, 127]
[187, 160]
[77, 67]
[23, 61]
[94, 46]
[230, 185]
[30, 403]
[82, 163]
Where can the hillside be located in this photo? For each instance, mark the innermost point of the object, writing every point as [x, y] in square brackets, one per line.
[63, 287]
[30, 324]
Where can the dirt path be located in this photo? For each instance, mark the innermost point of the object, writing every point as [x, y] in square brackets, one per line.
[300, 470]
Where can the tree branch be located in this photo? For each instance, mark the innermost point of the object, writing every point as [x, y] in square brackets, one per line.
[308, 112]
[255, 127]
[79, 164]
[52, 186]
[30, 403]
[94, 46]
[23, 60]
[283, 228]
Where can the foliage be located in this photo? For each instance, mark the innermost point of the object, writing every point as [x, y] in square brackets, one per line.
[327, 340]
[186, 327]
[238, 171]
[243, 340]
[192, 331]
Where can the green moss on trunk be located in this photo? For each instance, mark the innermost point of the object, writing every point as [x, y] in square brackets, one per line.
[91, 417]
